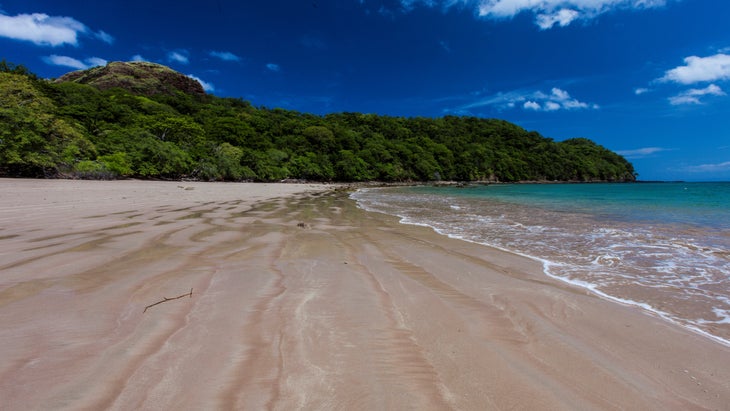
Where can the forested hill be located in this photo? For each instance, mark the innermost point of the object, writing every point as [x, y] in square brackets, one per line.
[126, 124]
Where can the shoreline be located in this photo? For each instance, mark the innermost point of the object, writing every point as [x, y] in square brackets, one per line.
[547, 265]
[302, 300]
[643, 307]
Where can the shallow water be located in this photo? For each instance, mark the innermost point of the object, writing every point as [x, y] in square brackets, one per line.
[664, 247]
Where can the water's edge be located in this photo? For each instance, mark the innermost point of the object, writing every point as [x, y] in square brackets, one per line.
[548, 269]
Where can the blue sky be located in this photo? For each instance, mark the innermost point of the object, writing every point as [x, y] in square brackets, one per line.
[647, 78]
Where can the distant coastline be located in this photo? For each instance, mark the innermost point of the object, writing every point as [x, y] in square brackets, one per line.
[147, 121]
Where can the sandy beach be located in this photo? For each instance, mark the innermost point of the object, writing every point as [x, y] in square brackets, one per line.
[302, 301]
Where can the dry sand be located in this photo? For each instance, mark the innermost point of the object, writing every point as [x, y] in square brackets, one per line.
[302, 301]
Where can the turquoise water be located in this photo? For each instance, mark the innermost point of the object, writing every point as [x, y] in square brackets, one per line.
[701, 204]
[664, 247]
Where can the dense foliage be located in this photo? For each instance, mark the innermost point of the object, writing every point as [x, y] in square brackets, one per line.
[70, 129]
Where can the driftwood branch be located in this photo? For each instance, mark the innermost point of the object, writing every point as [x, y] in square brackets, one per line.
[165, 299]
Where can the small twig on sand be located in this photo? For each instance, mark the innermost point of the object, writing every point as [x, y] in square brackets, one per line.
[165, 299]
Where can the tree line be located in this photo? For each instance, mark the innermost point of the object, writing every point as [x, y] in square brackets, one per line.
[75, 130]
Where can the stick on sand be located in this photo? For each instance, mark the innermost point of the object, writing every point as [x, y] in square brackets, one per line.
[165, 299]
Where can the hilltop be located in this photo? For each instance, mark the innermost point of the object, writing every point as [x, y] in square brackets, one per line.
[136, 77]
[144, 120]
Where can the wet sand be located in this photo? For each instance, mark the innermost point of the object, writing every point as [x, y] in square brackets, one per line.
[302, 301]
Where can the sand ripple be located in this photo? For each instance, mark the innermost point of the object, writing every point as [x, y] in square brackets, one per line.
[305, 302]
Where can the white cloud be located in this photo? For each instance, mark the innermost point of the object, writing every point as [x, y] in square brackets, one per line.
[178, 57]
[585, 8]
[225, 55]
[42, 29]
[532, 105]
[96, 61]
[500, 100]
[712, 89]
[66, 61]
[682, 99]
[104, 36]
[692, 96]
[138, 57]
[557, 99]
[560, 95]
[695, 70]
[56, 60]
[547, 13]
[700, 69]
[206, 86]
[562, 17]
[641, 90]
[710, 168]
[641, 152]
[561, 99]
[273, 67]
[552, 106]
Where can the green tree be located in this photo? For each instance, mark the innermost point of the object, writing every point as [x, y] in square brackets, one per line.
[321, 138]
[225, 164]
[350, 167]
[50, 129]
[33, 141]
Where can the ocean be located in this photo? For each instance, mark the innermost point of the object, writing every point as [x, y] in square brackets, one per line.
[663, 247]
